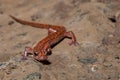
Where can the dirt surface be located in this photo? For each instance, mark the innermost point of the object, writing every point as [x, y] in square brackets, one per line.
[95, 24]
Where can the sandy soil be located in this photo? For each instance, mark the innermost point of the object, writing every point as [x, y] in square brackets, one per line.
[97, 57]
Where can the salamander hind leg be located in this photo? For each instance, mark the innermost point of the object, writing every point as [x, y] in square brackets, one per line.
[71, 35]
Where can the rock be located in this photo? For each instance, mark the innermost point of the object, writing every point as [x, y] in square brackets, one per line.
[33, 76]
[87, 60]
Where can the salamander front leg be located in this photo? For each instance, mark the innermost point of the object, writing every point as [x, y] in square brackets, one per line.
[27, 51]
[71, 35]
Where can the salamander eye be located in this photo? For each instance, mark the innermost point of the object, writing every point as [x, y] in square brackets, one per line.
[36, 53]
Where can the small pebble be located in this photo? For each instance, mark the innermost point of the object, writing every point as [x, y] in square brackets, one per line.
[1, 12]
[1, 26]
[112, 19]
[87, 60]
[117, 57]
[94, 68]
[34, 18]
[106, 64]
[111, 35]
[1, 64]
[10, 22]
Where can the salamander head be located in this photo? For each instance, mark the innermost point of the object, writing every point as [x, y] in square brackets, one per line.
[40, 56]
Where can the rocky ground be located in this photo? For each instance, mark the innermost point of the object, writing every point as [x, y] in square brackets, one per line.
[95, 24]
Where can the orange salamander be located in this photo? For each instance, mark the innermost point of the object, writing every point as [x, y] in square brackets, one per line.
[42, 48]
